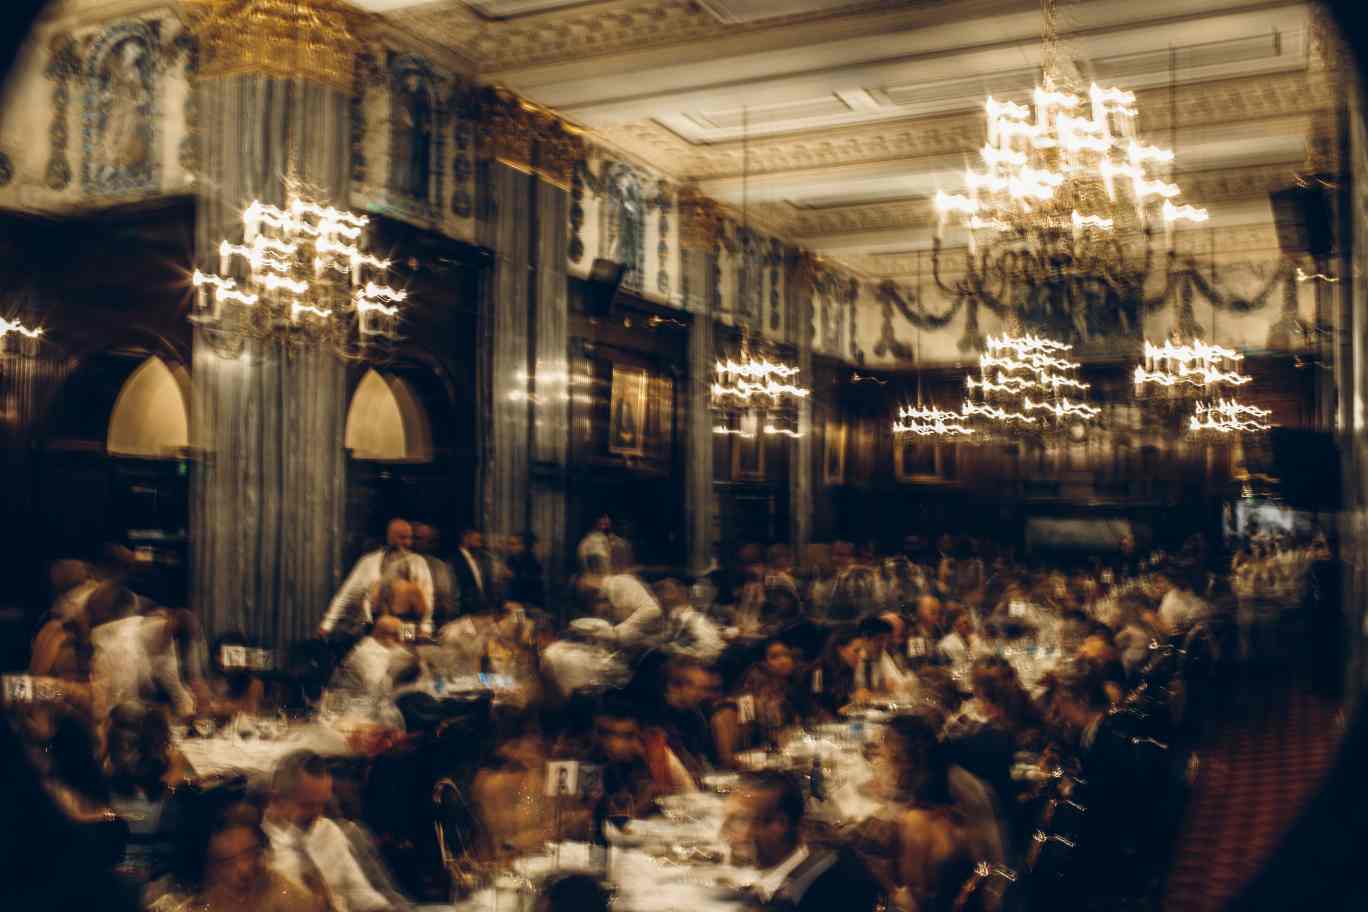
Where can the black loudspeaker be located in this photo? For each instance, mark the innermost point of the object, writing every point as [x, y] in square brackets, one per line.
[1307, 466]
[605, 277]
[1302, 217]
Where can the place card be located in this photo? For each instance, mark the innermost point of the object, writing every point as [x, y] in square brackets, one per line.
[916, 647]
[562, 778]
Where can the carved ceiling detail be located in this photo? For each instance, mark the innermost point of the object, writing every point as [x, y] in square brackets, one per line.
[1199, 105]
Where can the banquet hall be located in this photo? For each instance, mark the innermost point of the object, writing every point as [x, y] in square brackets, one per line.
[683, 455]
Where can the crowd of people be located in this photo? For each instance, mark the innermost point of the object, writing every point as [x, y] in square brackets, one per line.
[1023, 725]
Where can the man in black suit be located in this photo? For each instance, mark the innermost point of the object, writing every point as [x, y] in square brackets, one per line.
[474, 573]
[764, 828]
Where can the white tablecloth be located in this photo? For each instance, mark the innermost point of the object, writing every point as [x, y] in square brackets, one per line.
[227, 753]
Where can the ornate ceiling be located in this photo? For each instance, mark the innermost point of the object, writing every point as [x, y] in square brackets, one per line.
[859, 111]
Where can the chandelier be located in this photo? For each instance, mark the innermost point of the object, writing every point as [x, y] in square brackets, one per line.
[1178, 367]
[930, 421]
[19, 331]
[1063, 183]
[1025, 383]
[754, 383]
[301, 274]
[1226, 416]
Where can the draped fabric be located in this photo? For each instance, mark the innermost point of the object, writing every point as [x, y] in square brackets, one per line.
[699, 496]
[268, 492]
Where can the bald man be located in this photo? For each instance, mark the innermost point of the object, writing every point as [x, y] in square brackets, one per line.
[351, 611]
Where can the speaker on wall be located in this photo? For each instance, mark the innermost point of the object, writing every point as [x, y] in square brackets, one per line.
[1302, 218]
[605, 277]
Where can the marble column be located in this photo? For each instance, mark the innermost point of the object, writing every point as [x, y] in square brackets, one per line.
[699, 221]
[269, 484]
[798, 294]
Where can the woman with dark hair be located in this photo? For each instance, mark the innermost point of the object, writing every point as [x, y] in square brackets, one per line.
[833, 680]
[935, 825]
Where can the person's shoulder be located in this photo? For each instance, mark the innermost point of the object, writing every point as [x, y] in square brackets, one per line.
[285, 895]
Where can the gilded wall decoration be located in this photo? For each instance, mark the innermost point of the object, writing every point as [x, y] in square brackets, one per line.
[750, 278]
[418, 114]
[664, 203]
[64, 66]
[120, 124]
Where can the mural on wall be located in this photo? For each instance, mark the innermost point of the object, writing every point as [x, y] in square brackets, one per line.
[418, 115]
[366, 75]
[665, 203]
[834, 301]
[750, 278]
[64, 67]
[119, 128]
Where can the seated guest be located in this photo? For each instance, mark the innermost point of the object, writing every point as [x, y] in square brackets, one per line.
[371, 670]
[877, 634]
[832, 682]
[234, 689]
[687, 631]
[142, 769]
[777, 700]
[1182, 605]
[398, 596]
[629, 786]
[931, 625]
[682, 734]
[573, 893]
[936, 824]
[306, 845]
[764, 827]
[350, 611]
[515, 817]
[225, 868]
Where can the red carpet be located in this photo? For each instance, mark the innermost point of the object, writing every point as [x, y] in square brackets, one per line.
[1253, 780]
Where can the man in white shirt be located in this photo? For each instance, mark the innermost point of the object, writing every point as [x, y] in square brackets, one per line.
[350, 610]
[595, 551]
[310, 848]
[632, 609]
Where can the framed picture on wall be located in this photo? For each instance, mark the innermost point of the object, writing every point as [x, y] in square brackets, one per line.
[834, 453]
[916, 459]
[627, 411]
[748, 449]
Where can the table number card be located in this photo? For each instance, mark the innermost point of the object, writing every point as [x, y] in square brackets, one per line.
[1016, 609]
[233, 656]
[408, 632]
[916, 647]
[18, 689]
[745, 707]
[562, 779]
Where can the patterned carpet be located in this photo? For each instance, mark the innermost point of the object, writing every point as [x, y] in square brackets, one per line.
[1254, 777]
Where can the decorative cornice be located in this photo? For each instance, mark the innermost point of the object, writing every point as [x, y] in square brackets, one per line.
[1208, 104]
[528, 137]
[314, 40]
[594, 30]
[700, 219]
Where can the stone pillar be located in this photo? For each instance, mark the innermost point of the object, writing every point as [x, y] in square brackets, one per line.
[529, 155]
[269, 486]
[798, 275]
[699, 220]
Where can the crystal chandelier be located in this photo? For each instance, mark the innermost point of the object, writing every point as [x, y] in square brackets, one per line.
[1226, 416]
[1024, 383]
[301, 274]
[21, 333]
[1178, 367]
[1063, 184]
[930, 421]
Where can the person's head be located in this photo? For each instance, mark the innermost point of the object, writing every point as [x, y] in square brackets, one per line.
[842, 555]
[622, 558]
[846, 648]
[472, 539]
[573, 893]
[780, 558]
[909, 764]
[1077, 697]
[603, 524]
[68, 574]
[517, 545]
[763, 820]
[897, 628]
[930, 613]
[997, 686]
[671, 594]
[617, 729]
[235, 859]
[780, 659]
[877, 634]
[689, 684]
[399, 535]
[110, 602]
[1127, 544]
[301, 788]
[427, 539]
